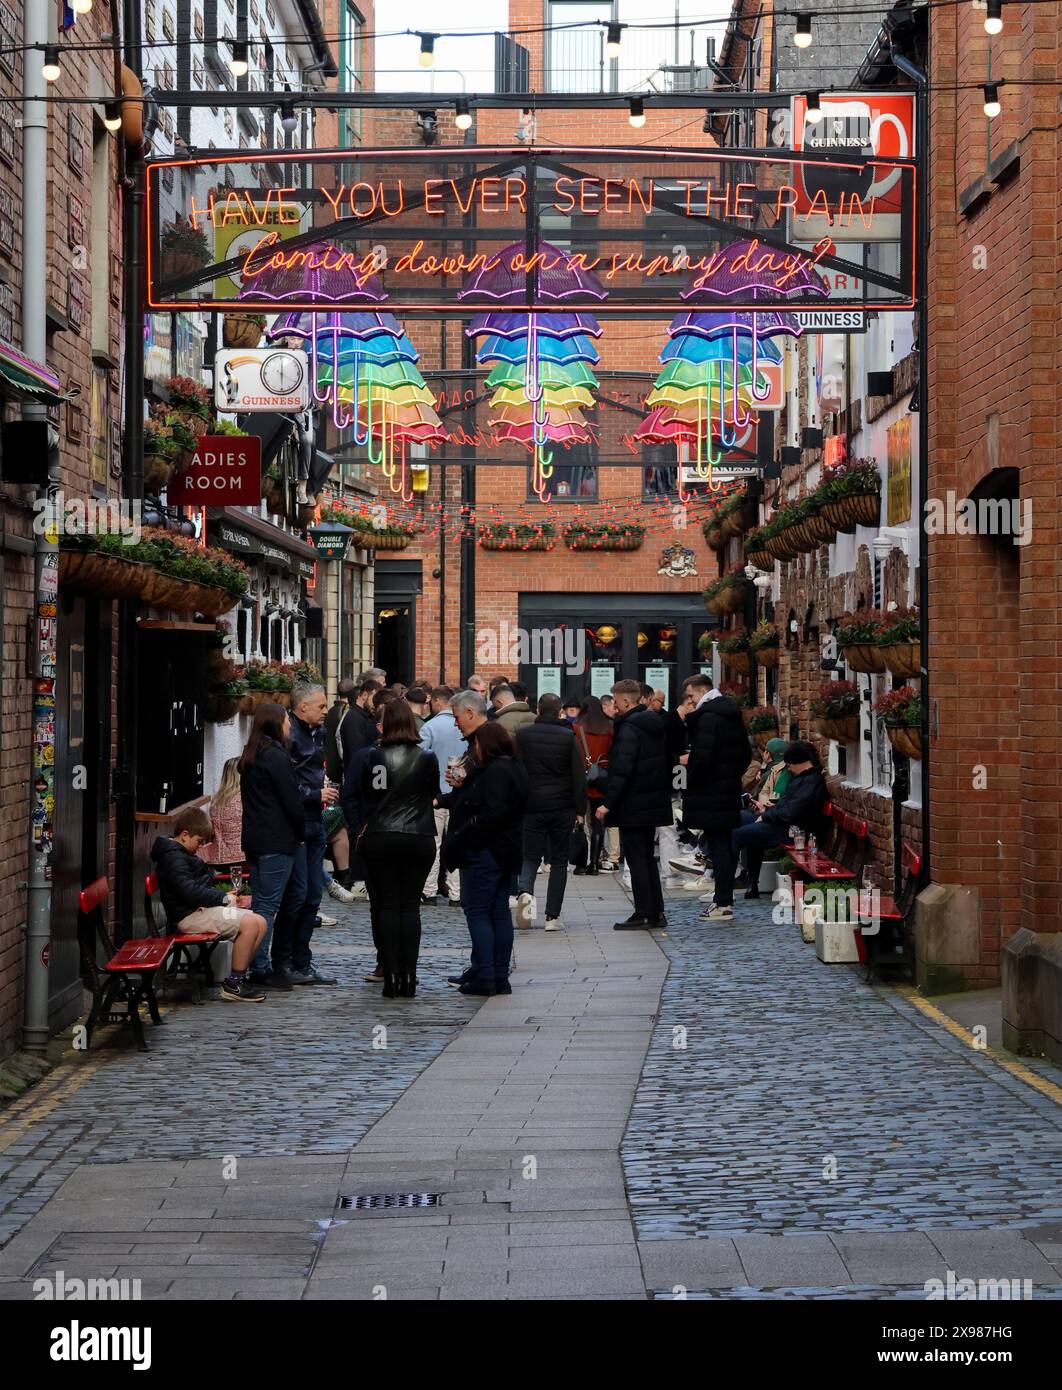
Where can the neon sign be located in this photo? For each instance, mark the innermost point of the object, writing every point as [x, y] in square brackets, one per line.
[419, 222]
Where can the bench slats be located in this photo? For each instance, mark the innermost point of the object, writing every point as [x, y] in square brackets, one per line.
[149, 953]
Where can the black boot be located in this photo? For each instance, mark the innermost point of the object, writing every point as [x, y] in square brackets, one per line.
[390, 982]
[407, 986]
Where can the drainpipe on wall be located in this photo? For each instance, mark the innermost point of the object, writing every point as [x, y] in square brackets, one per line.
[46, 557]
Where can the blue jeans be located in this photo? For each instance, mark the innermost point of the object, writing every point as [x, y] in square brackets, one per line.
[269, 878]
[298, 910]
[485, 889]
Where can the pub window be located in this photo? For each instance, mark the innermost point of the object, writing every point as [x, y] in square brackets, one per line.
[660, 476]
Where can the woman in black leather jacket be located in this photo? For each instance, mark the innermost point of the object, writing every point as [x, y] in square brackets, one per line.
[400, 782]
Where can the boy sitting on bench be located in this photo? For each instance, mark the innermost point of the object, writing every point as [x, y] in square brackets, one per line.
[196, 907]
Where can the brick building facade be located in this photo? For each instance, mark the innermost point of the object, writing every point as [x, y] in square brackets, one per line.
[84, 285]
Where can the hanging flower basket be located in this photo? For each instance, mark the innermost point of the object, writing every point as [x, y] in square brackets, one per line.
[275, 495]
[726, 595]
[101, 576]
[842, 730]
[781, 546]
[819, 527]
[865, 657]
[713, 534]
[243, 330]
[735, 661]
[857, 509]
[905, 740]
[176, 262]
[158, 469]
[903, 658]
[218, 709]
[767, 657]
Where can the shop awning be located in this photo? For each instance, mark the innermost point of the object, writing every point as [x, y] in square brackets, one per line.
[27, 380]
[246, 534]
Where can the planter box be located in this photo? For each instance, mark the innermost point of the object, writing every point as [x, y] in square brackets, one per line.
[370, 540]
[903, 658]
[109, 576]
[865, 657]
[905, 741]
[835, 942]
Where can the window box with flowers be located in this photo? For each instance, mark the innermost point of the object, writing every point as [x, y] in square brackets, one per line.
[835, 711]
[851, 494]
[726, 595]
[396, 535]
[764, 643]
[857, 640]
[900, 640]
[762, 724]
[604, 535]
[505, 535]
[756, 552]
[734, 650]
[163, 570]
[901, 711]
[778, 536]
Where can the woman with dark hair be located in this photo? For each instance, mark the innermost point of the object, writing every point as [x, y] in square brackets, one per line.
[593, 730]
[485, 841]
[273, 826]
[399, 784]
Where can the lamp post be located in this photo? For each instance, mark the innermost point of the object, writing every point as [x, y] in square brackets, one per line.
[331, 540]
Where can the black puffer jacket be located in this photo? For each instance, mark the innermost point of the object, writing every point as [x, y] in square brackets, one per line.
[555, 766]
[487, 812]
[638, 791]
[399, 782]
[185, 881]
[358, 730]
[273, 818]
[801, 803]
[719, 755]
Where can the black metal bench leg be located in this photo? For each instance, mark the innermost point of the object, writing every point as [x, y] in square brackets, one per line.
[152, 1002]
[133, 995]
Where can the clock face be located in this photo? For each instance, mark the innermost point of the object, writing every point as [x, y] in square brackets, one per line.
[282, 373]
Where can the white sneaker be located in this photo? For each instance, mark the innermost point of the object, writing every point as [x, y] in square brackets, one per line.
[713, 913]
[543, 868]
[359, 893]
[341, 894]
[708, 897]
[526, 910]
[607, 867]
[554, 924]
[699, 885]
[693, 865]
[325, 921]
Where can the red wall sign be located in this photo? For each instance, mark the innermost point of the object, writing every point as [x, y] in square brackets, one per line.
[225, 472]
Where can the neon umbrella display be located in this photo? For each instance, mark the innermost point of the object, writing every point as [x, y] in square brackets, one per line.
[541, 376]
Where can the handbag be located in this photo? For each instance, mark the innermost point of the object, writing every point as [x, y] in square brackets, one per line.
[578, 849]
[596, 771]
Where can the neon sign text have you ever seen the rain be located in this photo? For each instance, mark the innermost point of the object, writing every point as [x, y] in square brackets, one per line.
[318, 231]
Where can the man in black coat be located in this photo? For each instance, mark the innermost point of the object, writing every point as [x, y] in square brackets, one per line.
[718, 757]
[358, 729]
[638, 799]
[556, 802]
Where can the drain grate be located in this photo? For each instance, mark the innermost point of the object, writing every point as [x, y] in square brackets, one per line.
[388, 1199]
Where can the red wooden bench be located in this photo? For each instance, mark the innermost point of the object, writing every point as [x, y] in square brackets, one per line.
[842, 856]
[891, 942]
[126, 976]
[192, 951]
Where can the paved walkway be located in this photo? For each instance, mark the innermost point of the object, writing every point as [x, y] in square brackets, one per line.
[805, 1136]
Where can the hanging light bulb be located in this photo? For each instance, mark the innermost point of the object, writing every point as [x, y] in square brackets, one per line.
[637, 114]
[238, 64]
[289, 120]
[81, 6]
[462, 115]
[814, 110]
[112, 115]
[994, 17]
[802, 37]
[50, 67]
[993, 105]
[427, 49]
[612, 41]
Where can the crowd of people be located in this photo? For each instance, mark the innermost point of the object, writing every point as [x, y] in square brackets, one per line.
[412, 794]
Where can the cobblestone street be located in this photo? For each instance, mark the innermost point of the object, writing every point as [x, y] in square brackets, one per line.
[812, 1138]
